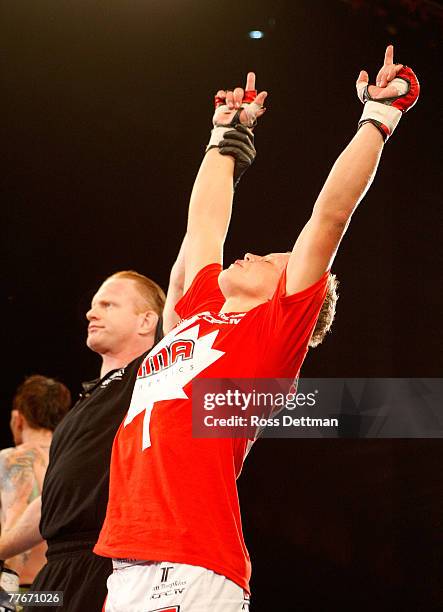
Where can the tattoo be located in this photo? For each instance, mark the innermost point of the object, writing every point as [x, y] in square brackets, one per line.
[19, 482]
[25, 557]
[17, 468]
[22, 471]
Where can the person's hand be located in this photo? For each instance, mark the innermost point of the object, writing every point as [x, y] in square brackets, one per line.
[236, 113]
[8, 583]
[239, 105]
[9, 579]
[383, 87]
[396, 91]
[6, 605]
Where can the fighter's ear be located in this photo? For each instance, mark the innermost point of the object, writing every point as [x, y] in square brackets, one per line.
[148, 322]
[17, 420]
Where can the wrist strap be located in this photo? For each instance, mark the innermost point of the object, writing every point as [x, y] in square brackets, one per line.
[383, 116]
[217, 135]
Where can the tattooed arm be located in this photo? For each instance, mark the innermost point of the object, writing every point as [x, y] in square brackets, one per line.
[20, 484]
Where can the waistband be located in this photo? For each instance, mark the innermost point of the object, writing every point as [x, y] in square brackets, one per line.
[56, 549]
[121, 563]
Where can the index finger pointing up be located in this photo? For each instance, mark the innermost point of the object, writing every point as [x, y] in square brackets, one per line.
[389, 55]
[250, 81]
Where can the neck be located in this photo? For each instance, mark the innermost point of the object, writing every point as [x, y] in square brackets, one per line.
[41, 437]
[240, 304]
[120, 360]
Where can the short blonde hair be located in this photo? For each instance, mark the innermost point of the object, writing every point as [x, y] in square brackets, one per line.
[152, 294]
[327, 313]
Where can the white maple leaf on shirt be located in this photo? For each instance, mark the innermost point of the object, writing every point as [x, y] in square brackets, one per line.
[169, 382]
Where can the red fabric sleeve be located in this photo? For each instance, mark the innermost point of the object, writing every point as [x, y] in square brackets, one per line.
[286, 324]
[203, 294]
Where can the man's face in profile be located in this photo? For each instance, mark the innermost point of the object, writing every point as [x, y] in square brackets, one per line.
[114, 319]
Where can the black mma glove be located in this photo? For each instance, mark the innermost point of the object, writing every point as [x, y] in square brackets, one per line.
[232, 133]
[239, 143]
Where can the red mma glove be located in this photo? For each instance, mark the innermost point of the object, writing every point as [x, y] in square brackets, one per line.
[385, 112]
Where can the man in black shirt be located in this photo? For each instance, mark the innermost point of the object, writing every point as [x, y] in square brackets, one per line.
[124, 318]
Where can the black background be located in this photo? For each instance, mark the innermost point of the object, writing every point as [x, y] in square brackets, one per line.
[106, 111]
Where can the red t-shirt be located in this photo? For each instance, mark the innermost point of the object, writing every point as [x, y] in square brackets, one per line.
[174, 497]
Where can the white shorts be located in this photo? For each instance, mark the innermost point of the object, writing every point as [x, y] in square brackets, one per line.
[150, 586]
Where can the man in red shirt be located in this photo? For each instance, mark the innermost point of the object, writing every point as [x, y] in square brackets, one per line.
[173, 523]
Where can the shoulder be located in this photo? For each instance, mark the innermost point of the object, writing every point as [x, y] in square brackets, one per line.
[6, 456]
[23, 455]
[6, 452]
[9, 454]
[16, 467]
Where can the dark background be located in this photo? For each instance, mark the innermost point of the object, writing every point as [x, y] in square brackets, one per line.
[106, 111]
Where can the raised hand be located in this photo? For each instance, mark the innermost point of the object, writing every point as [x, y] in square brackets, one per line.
[239, 105]
[396, 92]
[236, 112]
[388, 72]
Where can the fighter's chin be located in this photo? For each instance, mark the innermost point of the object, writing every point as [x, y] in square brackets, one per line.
[94, 344]
[226, 282]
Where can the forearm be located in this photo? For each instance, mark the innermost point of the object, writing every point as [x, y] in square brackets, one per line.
[211, 199]
[24, 534]
[351, 176]
[345, 186]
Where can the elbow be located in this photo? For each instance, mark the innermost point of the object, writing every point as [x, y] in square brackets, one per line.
[335, 211]
[336, 220]
[177, 276]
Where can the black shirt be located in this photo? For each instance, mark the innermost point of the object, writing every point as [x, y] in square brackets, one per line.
[75, 489]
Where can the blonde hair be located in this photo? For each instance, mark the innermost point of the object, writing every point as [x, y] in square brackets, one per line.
[327, 313]
[152, 294]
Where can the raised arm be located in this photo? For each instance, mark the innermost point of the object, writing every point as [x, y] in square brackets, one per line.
[352, 173]
[209, 213]
[175, 290]
[211, 199]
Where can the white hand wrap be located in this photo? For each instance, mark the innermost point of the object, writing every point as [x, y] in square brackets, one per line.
[217, 135]
[384, 114]
[9, 580]
[381, 112]
[221, 116]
